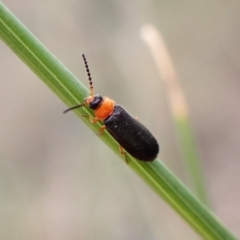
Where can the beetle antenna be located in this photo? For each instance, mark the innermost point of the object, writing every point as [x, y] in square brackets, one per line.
[72, 108]
[89, 75]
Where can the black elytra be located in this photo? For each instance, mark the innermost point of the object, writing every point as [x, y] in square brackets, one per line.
[133, 136]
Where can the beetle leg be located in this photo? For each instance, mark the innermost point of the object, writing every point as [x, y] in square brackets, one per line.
[122, 151]
[101, 130]
[92, 120]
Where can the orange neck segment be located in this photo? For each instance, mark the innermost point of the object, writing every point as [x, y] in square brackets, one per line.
[106, 109]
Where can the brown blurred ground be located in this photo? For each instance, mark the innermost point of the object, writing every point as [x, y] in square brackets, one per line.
[57, 179]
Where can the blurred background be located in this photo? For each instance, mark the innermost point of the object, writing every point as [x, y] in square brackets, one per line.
[57, 179]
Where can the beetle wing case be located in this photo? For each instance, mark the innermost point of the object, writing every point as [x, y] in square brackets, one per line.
[132, 135]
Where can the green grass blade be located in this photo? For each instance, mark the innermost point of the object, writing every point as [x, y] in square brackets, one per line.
[188, 147]
[71, 91]
[178, 106]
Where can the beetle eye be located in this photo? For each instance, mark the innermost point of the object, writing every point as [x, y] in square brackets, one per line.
[95, 103]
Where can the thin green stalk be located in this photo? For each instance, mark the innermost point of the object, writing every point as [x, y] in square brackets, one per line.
[72, 91]
[188, 147]
[178, 106]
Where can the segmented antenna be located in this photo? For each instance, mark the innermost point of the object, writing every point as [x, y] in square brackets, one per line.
[90, 83]
[72, 108]
[89, 75]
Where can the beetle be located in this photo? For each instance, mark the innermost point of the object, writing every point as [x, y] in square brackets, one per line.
[132, 136]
